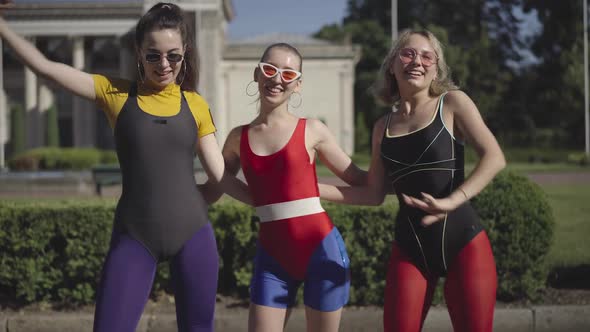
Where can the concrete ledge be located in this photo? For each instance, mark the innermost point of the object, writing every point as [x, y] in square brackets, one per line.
[57, 322]
[514, 320]
[562, 318]
[537, 319]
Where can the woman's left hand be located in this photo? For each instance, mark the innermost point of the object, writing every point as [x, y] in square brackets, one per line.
[436, 208]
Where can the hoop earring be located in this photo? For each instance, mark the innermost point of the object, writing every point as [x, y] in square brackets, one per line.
[299, 98]
[140, 73]
[183, 73]
[249, 92]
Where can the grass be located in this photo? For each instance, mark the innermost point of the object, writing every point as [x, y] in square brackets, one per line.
[572, 212]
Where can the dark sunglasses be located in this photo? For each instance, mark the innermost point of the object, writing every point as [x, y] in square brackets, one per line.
[157, 57]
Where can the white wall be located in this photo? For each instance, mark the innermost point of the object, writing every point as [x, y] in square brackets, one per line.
[327, 92]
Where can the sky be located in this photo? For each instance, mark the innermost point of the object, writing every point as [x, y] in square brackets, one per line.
[259, 17]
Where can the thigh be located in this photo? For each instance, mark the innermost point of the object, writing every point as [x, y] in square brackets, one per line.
[408, 294]
[194, 273]
[266, 319]
[470, 288]
[322, 321]
[125, 285]
[327, 281]
[271, 285]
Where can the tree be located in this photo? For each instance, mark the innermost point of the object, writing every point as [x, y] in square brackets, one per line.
[555, 100]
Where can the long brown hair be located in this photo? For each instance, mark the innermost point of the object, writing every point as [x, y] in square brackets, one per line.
[169, 16]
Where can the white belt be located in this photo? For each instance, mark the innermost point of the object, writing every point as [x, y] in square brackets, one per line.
[291, 209]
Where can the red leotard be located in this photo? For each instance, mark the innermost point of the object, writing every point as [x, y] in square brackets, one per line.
[286, 175]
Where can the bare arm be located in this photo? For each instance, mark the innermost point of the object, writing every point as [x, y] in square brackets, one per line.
[73, 80]
[332, 155]
[214, 188]
[469, 125]
[373, 192]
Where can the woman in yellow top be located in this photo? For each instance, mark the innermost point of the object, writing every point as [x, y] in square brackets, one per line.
[159, 122]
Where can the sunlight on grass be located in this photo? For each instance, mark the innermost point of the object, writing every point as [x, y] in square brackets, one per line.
[572, 211]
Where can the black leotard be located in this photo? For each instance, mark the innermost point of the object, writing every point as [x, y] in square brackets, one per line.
[160, 205]
[428, 160]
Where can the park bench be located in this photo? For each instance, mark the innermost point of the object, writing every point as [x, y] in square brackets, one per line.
[108, 175]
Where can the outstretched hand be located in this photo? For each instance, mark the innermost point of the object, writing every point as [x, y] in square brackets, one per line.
[436, 208]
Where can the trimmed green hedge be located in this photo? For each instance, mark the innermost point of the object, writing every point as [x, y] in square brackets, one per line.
[53, 251]
[520, 224]
[53, 158]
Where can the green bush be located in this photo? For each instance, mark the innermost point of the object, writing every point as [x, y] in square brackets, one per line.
[52, 158]
[54, 251]
[578, 158]
[520, 224]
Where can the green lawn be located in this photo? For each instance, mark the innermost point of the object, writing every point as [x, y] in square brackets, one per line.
[571, 207]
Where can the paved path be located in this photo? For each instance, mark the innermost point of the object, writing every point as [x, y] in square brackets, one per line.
[534, 319]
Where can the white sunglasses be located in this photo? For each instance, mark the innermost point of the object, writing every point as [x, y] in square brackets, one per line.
[287, 75]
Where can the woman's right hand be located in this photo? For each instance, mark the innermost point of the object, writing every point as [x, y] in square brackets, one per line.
[72, 79]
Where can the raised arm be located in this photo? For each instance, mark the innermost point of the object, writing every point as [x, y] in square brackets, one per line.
[468, 125]
[222, 169]
[371, 193]
[73, 80]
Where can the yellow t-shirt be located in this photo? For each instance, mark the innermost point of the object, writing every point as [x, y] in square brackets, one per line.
[111, 95]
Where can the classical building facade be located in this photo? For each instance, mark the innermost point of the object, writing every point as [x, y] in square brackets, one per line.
[95, 36]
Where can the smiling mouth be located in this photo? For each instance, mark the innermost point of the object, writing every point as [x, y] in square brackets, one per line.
[413, 73]
[273, 90]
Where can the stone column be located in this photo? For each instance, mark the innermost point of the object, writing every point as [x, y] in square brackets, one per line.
[45, 99]
[83, 115]
[32, 124]
[3, 112]
[209, 42]
[127, 64]
[347, 109]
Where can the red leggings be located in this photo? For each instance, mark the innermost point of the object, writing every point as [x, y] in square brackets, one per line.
[470, 290]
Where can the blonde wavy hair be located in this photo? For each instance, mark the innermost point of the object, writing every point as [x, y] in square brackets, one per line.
[387, 89]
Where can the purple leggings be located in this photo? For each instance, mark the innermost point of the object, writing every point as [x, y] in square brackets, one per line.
[128, 274]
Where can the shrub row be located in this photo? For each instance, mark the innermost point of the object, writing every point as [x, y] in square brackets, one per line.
[53, 251]
[536, 155]
[61, 159]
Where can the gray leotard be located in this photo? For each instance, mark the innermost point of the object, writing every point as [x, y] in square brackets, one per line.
[160, 205]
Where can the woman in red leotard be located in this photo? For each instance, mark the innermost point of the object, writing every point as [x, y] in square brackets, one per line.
[298, 244]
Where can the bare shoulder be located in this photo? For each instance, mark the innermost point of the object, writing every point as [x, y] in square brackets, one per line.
[316, 125]
[317, 130]
[458, 100]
